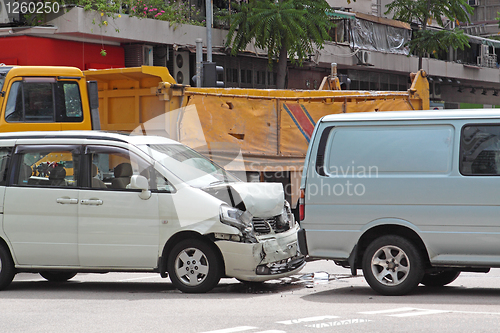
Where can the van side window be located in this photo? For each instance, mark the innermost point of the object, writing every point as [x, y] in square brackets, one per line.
[480, 150]
[5, 153]
[370, 151]
[47, 166]
[44, 100]
[112, 168]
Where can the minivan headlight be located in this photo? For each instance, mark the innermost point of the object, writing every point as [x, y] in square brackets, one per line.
[236, 218]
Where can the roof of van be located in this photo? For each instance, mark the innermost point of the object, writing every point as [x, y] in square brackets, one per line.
[414, 115]
[96, 135]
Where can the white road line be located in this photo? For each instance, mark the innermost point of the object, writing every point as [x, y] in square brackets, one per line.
[472, 312]
[421, 312]
[337, 323]
[305, 320]
[233, 329]
[139, 278]
[388, 311]
[418, 312]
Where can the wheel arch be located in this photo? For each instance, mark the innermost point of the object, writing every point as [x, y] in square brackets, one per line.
[180, 236]
[389, 229]
[4, 244]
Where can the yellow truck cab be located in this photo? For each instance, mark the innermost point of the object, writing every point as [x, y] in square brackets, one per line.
[46, 98]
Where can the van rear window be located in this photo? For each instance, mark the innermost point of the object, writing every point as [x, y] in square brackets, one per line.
[480, 150]
[389, 149]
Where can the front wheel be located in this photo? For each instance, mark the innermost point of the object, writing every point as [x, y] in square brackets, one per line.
[194, 267]
[57, 276]
[392, 265]
[439, 279]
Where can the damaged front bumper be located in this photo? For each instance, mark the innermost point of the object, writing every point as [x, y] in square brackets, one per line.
[272, 257]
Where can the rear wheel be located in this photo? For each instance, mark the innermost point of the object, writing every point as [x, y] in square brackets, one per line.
[194, 267]
[392, 265]
[439, 279]
[57, 276]
[7, 269]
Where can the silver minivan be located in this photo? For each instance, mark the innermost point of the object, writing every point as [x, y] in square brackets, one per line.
[408, 197]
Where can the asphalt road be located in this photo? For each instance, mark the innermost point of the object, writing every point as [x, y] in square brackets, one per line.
[323, 298]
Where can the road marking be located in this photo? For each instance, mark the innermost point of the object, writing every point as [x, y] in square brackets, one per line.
[338, 323]
[305, 320]
[140, 278]
[387, 311]
[409, 312]
[418, 312]
[233, 329]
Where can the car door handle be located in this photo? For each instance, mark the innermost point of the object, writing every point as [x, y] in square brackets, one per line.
[66, 201]
[94, 202]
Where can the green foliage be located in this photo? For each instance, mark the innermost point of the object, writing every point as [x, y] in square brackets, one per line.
[178, 12]
[293, 25]
[421, 11]
[432, 41]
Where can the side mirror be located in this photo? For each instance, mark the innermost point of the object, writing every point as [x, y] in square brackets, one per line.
[139, 182]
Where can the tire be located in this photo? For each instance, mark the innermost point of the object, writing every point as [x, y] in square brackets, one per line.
[7, 269]
[193, 266]
[57, 276]
[439, 279]
[392, 265]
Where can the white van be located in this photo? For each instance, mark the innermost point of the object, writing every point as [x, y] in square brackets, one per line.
[408, 197]
[90, 201]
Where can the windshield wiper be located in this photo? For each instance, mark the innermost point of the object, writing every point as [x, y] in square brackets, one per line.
[219, 182]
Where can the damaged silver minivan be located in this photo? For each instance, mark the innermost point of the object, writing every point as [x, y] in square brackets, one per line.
[88, 201]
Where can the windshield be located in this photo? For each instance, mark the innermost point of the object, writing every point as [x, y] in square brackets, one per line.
[190, 166]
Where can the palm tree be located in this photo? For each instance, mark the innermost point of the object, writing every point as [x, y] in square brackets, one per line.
[430, 41]
[285, 28]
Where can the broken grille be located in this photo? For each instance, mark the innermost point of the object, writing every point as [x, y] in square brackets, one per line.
[264, 226]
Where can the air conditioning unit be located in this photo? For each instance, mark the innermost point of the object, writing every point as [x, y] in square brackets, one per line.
[181, 67]
[485, 50]
[434, 90]
[473, 2]
[138, 55]
[365, 57]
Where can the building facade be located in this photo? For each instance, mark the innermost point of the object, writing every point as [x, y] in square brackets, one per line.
[76, 37]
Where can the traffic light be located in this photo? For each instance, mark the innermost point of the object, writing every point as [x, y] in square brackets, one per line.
[211, 75]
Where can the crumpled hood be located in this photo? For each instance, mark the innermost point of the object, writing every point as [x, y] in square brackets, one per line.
[260, 199]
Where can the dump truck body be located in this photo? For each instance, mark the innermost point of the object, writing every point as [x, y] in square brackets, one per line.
[259, 134]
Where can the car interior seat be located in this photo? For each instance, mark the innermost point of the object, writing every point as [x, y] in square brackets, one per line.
[96, 182]
[57, 176]
[122, 173]
[24, 174]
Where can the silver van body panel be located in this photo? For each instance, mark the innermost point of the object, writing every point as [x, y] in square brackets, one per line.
[456, 216]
